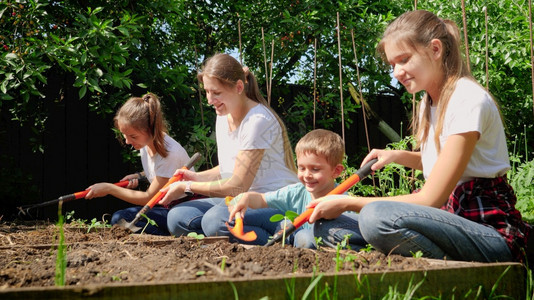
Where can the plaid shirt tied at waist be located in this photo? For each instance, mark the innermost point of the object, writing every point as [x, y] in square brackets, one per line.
[491, 202]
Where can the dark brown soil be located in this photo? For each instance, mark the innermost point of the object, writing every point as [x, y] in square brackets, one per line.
[114, 256]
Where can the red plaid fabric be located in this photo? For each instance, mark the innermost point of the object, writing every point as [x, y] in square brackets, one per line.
[491, 202]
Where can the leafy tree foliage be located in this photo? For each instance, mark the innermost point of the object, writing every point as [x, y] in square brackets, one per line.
[108, 50]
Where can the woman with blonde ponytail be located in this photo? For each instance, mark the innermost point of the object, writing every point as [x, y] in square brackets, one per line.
[253, 150]
[142, 125]
[465, 209]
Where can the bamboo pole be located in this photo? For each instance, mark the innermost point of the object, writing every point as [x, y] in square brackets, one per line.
[198, 90]
[314, 81]
[360, 89]
[413, 101]
[487, 58]
[271, 74]
[340, 80]
[266, 70]
[465, 37]
[531, 49]
[239, 32]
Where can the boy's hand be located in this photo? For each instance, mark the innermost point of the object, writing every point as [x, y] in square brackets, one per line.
[238, 204]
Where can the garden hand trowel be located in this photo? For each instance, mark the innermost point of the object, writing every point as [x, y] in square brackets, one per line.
[157, 197]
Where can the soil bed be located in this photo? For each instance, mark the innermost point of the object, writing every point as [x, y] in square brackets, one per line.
[114, 256]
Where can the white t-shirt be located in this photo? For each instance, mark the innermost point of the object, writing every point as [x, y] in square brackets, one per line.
[160, 166]
[471, 109]
[258, 130]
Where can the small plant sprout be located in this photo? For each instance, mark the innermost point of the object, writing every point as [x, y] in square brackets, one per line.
[96, 224]
[417, 254]
[318, 241]
[197, 236]
[200, 273]
[289, 216]
[368, 248]
[148, 221]
[223, 263]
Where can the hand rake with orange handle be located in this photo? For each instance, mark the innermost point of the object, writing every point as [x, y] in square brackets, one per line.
[340, 189]
[237, 231]
[157, 197]
[65, 198]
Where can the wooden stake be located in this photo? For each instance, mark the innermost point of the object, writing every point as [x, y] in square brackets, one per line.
[360, 89]
[487, 58]
[271, 74]
[340, 80]
[266, 70]
[239, 32]
[531, 49]
[465, 37]
[199, 93]
[314, 81]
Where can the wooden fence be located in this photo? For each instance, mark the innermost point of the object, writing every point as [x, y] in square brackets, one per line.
[80, 149]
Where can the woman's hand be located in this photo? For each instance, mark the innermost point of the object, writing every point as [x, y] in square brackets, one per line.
[133, 181]
[98, 190]
[188, 175]
[175, 190]
[328, 207]
[384, 157]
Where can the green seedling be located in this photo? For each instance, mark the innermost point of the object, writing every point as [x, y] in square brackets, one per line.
[368, 248]
[82, 223]
[148, 221]
[417, 254]
[97, 224]
[223, 263]
[200, 273]
[197, 236]
[289, 216]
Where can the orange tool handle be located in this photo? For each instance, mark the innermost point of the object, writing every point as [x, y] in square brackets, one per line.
[159, 195]
[340, 189]
[80, 195]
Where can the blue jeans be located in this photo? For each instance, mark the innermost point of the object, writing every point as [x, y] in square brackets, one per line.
[186, 217]
[257, 220]
[333, 232]
[158, 214]
[402, 228]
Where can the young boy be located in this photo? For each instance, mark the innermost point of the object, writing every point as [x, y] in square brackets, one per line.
[319, 163]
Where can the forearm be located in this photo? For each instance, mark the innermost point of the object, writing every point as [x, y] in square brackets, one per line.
[131, 196]
[256, 200]
[219, 188]
[409, 159]
[212, 174]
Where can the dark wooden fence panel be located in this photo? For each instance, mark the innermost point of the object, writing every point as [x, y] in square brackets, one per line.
[80, 149]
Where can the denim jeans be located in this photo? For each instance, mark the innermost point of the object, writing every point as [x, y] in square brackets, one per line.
[402, 228]
[186, 217]
[158, 214]
[333, 232]
[257, 220]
